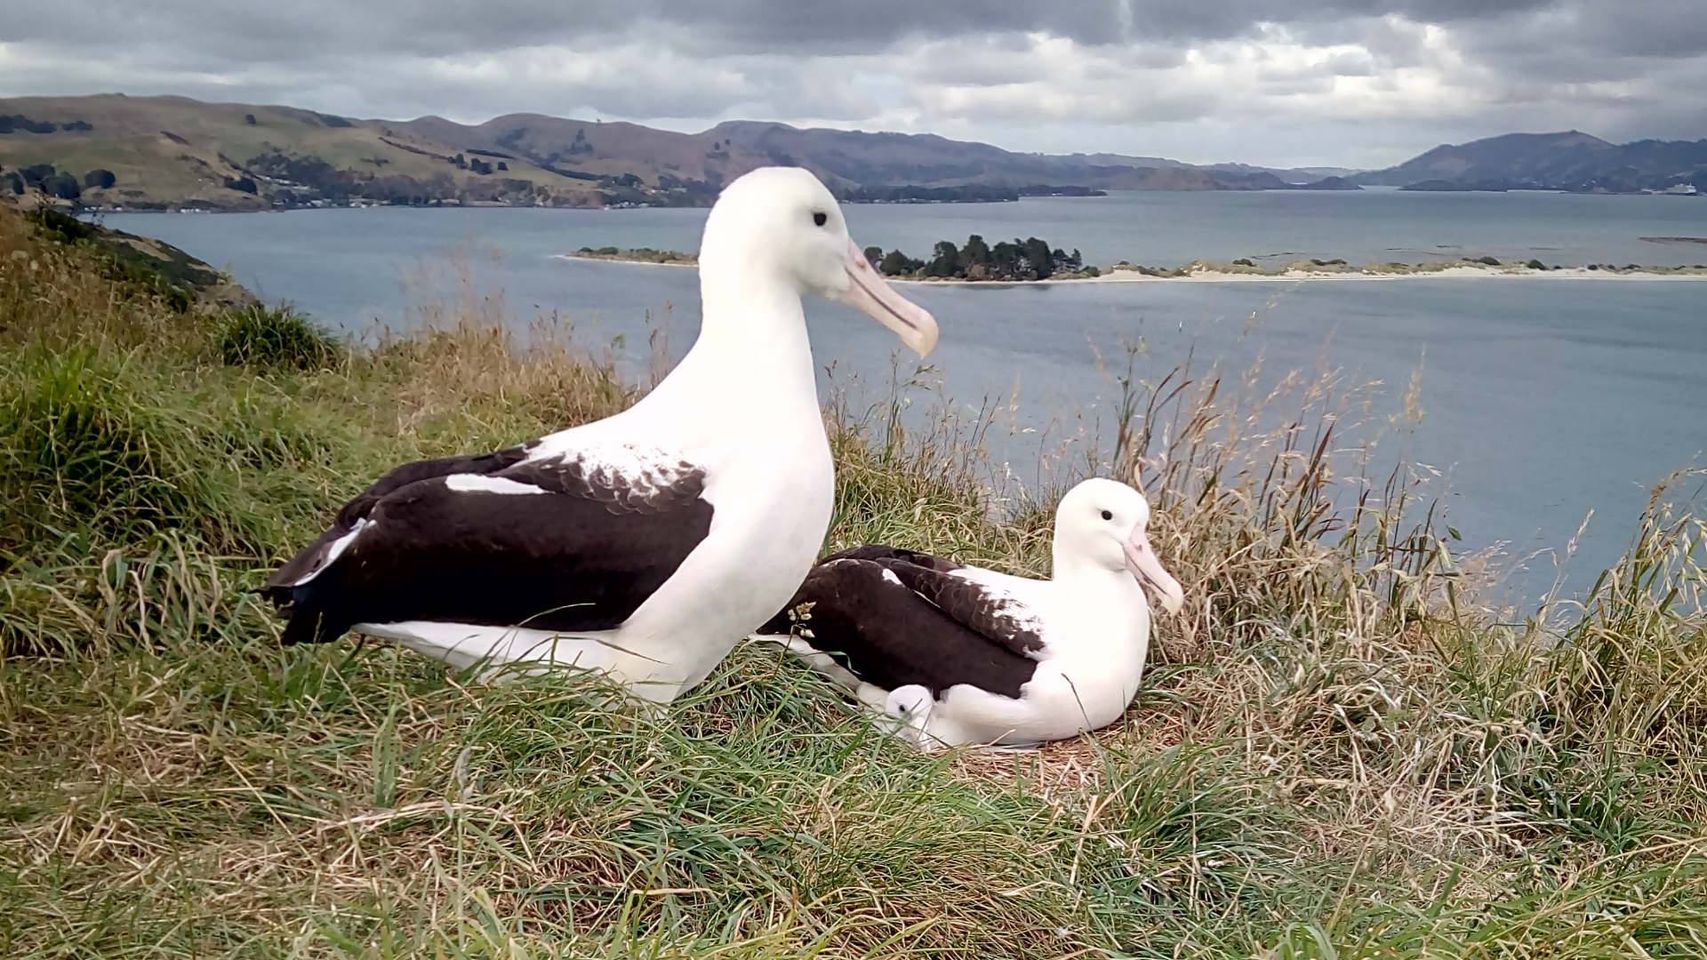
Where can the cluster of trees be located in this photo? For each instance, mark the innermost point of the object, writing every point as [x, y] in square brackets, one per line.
[478, 165]
[688, 191]
[311, 172]
[308, 180]
[18, 123]
[62, 184]
[1028, 259]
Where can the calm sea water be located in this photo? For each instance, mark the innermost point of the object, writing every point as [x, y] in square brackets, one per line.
[1541, 400]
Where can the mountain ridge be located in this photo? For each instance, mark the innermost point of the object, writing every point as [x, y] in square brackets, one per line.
[1569, 160]
[173, 152]
[114, 150]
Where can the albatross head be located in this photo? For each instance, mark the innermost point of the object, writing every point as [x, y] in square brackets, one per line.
[781, 225]
[1105, 523]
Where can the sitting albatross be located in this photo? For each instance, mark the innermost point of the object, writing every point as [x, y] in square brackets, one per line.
[963, 655]
[644, 545]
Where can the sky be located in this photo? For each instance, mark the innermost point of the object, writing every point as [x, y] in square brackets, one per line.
[1359, 83]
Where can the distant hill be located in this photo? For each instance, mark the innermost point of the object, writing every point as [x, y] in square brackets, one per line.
[1293, 175]
[174, 152]
[1571, 160]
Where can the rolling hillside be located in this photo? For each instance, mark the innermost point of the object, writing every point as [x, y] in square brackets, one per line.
[176, 152]
[173, 152]
[1572, 160]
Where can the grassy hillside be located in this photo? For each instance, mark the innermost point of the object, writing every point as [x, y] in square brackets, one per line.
[174, 152]
[1338, 754]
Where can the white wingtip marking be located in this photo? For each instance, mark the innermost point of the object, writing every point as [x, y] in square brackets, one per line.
[475, 483]
[336, 550]
[889, 575]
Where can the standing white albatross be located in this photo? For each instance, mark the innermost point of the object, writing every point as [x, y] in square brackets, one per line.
[963, 655]
[644, 545]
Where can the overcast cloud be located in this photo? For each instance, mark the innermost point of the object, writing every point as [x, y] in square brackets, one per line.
[1353, 82]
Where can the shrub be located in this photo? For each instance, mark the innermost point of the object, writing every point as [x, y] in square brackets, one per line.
[60, 227]
[62, 186]
[18, 123]
[274, 337]
[1536, 265]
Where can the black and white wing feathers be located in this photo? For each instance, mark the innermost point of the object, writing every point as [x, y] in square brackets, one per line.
[573, 542]
[895, 618]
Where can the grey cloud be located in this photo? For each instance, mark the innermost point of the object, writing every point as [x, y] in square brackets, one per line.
[1132, 79]
[248, 31]
[248, 28]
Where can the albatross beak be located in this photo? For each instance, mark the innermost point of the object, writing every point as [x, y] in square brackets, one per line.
[1141, 560]
[872, 295]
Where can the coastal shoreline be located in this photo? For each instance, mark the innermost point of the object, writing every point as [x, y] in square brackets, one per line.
[1209, 275]
[1450, 273]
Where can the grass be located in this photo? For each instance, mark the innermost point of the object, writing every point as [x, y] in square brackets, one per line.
[265, 336]
[1338, 753]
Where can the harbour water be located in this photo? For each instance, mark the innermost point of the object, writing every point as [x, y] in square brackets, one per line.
[1536, 400]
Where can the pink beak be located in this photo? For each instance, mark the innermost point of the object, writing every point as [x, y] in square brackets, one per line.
[1141, 560]
[872, 295]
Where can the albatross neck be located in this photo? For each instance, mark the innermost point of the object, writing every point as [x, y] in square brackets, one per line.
[1102, 602]
[752, 348]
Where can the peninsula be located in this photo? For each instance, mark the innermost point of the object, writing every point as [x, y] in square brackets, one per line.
[1034, 261]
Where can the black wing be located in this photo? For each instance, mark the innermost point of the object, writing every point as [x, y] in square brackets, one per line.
[892, 623]
[972, 605]
[883, 553]
[311, 558]
[875, 552]
[555, 544]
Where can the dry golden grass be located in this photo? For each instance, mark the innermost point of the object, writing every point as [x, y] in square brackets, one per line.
[1338, 751]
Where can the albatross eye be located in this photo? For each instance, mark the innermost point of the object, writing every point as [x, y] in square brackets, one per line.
[1107, 515]
[820, 218]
